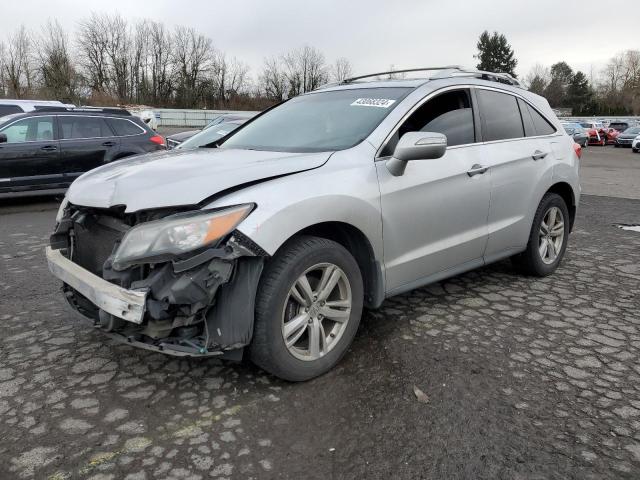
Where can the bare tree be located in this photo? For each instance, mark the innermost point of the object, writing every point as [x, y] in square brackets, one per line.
[194, 59]
[54, 63]
[228, 78]
[305, 70]
[3, 81]
[92, 40]
[537, 79]
[160, 63]
[341, 69]
[274, 79]
[118, 44]
[17, 66]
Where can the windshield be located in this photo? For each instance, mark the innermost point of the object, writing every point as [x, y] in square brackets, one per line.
[209, 135]
[319, 122]
[632, 131]
[569, 130]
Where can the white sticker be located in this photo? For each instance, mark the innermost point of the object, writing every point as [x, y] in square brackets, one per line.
[222, 132]
[373, 102]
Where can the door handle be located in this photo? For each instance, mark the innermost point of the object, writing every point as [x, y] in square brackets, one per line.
[538, 155]
[49, 148]
[477, 169]
[108, 144]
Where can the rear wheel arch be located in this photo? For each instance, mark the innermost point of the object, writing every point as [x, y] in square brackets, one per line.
[359, 246]
[566, 192]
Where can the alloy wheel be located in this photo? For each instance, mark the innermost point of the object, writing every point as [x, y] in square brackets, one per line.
[316, 311]
[551, 235]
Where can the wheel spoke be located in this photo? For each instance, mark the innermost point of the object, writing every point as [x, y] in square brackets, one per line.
[544, 229]
[302, 291]
[315, 334]
[543, 248]
[552, 218]
[557, 229]
[325, 290]
[295, 324]
[552, 250]
[335, 314]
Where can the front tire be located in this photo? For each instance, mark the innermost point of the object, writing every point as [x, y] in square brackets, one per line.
[548, 238]
[308, 309]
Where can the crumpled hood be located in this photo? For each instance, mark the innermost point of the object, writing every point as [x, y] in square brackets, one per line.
[175, 178]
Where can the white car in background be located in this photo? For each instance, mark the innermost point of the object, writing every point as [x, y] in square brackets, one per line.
[8, 106]
[635, 146]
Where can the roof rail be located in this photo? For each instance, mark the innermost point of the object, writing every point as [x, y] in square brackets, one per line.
[444, 72]
[394, 72]
[499, 77]
[110, 110]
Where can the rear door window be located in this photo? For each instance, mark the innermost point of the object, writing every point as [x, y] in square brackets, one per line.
[500, 115]
[77, 127]
[124, 127]
[34, 129]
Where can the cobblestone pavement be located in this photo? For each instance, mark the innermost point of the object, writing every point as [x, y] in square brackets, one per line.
[526, 379]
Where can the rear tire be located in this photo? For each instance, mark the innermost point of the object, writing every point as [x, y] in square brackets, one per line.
[292, 303]
[548, 238]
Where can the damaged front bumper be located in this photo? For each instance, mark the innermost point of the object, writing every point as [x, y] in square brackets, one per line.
[119, 302]
[200, 304]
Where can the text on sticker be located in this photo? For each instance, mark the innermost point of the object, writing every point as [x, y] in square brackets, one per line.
[373, 102]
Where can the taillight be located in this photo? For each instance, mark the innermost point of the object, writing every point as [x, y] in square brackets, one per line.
[158, 140]
[578, 149]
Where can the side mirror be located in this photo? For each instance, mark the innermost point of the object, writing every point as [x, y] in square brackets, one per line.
[3, 138]
[416, 146]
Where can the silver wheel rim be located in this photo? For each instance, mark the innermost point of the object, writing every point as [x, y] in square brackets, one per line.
[551, 235]
[316, 311]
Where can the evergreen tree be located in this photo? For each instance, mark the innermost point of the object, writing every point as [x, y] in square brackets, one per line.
[495, 54]
[580, 95]
[556, 91]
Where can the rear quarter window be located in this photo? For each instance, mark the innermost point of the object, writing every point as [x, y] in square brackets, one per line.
[543, 126]
[124, 127]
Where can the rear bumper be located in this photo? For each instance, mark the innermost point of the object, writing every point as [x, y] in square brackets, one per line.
[125, 304]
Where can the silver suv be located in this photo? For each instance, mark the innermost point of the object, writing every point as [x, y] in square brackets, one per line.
[275, 238]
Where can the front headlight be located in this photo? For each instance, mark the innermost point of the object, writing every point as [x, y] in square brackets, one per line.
[177, 234]
[61, 209]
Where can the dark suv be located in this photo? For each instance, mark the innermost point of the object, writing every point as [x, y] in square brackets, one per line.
[49, 149]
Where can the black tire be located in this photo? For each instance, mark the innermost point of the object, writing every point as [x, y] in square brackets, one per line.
[268, 349]
[616, 145]
[530, 262]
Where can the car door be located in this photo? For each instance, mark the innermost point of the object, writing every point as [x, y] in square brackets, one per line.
[86, 142]
[435, 214]
[519, 158]
[30, 158]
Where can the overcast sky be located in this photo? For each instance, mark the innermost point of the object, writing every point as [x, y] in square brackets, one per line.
[374, 34]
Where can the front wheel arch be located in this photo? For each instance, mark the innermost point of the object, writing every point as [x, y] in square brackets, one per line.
[359, 246]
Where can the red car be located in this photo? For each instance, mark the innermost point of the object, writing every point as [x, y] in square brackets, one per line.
[598, 134]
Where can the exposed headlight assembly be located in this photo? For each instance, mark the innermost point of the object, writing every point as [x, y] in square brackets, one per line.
[177, 234]
[61, 209]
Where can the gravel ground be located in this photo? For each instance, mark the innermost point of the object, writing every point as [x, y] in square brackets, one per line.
[522, 378]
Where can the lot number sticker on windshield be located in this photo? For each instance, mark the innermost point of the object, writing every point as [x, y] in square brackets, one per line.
[373, 102]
